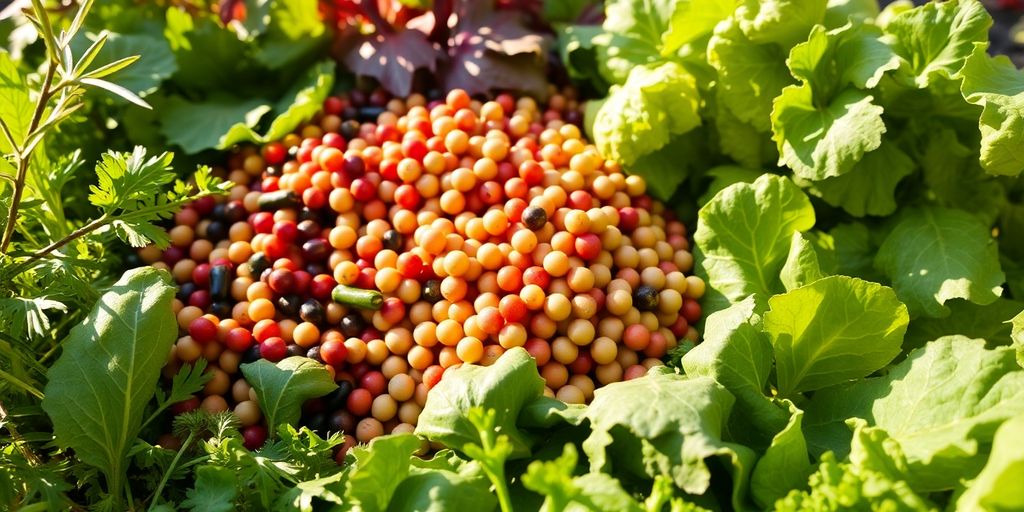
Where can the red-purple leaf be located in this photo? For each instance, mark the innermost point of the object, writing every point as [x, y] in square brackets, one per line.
[496, 52]
[392, 58]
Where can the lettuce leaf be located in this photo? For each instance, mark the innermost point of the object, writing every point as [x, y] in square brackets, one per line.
[998, 485]
[871, 480]
[869, 188]
[672, 440]
[942, 405]
[825, 125]
[784, 466]
[737, 354]
[750, 75]
[934, 39]
[836, 329]
[998, 86]
[640, 116]
[744, 234]
[785, 22]
[506, 387]
[936, 254]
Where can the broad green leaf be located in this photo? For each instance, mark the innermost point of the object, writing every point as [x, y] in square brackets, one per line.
[737, 354]
[942, 405]
[998, 485]
[641, 116]
[802, 266]
[664, 169]
[955, 178]
[935, 254]
[675, 438]
[211, 59]
[99, 387]
[642, 32]
[378, 470]
[744, 234]
[833, 330]
[934, 39]
[852, 55]
[441, 491]
[506, 386]
[818, 142]
[692, 20]
[215, 490]
[989, 322]
[282, 388]
[998, 86]
[577, 46]
[15, 106]
[743, 143]
[826, 125]
[869, 187]
[855, 251]
[210, 124]
[303, 101]
[295, 30]
[734, 351]
[839, 12]
[750, 75]
[785, 22]
[784, 466]
[156, 61]
[723, 176]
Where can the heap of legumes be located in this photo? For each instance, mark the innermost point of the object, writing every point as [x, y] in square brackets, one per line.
[431, 234]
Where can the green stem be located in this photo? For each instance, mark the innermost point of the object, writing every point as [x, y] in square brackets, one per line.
[170, 470]
[78, 233]
[497, 476]
[21, 384]
[357, 297]
[24, 159]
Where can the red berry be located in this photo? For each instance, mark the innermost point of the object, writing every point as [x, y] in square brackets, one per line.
[374, 382]
[407, 197]
[262, 222]
[333, 352]
[536, 275]
[334, 140]
[588, 246]
[238, 339]
[409, 265]
[359, 402]
[432, 375]
[321, 286]
[286, 231]
[490, 320]
[314, 198]
[201, 275]
[200, 299]
[273, 349]
[512, 308]
[254, 436]
[691, 311]
[333, 105]
[274, 153]
[266, 329]
[629, 219]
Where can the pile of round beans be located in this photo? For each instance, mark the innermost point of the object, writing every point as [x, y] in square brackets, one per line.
[485, 225]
